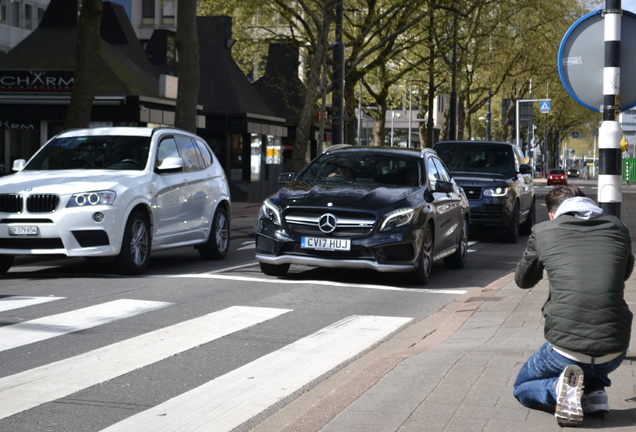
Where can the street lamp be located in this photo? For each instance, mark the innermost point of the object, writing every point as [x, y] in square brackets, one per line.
[393, 116]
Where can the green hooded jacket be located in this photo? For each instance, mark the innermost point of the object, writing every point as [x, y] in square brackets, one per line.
[587, 262]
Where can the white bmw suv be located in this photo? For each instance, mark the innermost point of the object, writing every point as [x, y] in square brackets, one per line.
[117, 192]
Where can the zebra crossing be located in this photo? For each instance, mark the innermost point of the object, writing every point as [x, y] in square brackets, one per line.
[16, 335]
[226, 401]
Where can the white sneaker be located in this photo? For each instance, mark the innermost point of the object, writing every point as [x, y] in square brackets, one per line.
[595, 402]
[569, 390]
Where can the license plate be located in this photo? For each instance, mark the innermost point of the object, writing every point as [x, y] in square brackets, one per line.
[329, 244]
[23, 230]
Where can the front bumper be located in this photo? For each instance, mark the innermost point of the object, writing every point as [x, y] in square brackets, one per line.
[394, 251]
[70, 232]
[489, 215]
[334, 263]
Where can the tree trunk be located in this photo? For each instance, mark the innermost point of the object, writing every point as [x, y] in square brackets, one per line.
[187, 44]
[86, 59]
[351, 102]
[313, 87]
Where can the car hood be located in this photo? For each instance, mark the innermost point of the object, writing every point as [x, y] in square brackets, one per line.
[358, 196]
[66, 181]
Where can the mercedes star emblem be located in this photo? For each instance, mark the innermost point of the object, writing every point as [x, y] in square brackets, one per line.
[327, 223]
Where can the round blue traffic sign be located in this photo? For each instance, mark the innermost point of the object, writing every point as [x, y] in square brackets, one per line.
[581, 60]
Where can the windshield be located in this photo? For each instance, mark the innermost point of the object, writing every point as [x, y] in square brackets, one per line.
[383, 169]
[93, 152]
[477, 158]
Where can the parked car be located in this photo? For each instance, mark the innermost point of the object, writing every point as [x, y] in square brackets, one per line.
[386, 209]
[117, 193]
[497, 182]
[557, 176]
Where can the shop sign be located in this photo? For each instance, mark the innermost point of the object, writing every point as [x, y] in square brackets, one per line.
[40, 81]
[16, 125]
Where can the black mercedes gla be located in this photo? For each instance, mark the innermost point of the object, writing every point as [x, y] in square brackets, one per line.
[387, 209]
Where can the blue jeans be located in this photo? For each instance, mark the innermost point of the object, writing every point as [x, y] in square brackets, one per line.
[537, 379]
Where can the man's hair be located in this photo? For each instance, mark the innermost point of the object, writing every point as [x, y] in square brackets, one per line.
[556, 196]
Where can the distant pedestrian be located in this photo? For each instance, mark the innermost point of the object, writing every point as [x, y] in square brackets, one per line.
[587, 257]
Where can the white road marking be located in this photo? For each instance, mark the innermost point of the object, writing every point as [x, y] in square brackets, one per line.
[47, 383]
[28, 332]
[238, 267]
[16, 302]
[226, 402]
[215, 275]
[247, 245]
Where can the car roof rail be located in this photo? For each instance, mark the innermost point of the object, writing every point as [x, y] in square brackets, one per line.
[337, 147]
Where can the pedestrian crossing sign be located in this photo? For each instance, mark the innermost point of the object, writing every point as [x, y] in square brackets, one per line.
[545, 107]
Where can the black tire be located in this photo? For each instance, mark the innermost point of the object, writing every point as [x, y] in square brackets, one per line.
[422, 273]
[512, 232]
[6, 261]
[218, 243]
[526, 227]
[458, 259]
[274, 269]
[135, 248]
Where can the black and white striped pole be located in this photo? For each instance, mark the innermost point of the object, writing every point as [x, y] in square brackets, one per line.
[610, 132]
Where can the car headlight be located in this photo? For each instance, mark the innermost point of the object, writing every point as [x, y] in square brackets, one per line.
[87, 199]
[270, 211]
[397, 218]
[496, 192]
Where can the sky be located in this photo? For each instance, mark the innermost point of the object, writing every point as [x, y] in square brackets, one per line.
[629, 5]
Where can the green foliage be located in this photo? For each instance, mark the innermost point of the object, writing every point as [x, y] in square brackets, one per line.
[476, 47]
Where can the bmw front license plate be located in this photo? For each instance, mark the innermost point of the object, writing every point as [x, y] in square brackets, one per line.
[23, 230]
[329, 244]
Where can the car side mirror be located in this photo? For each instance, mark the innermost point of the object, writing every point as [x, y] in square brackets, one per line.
[171, 164]
[440, 187]
[285, 178]
[18, 164]
[443, 186]
[525, 169]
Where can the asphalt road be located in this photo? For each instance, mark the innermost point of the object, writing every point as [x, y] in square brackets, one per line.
[197, 342]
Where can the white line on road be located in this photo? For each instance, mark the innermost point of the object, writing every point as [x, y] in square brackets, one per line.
[247, 245]
[28, 332]
[16, 302]
[214, 275]
[238, 267]
[47, 383]
[226, 402]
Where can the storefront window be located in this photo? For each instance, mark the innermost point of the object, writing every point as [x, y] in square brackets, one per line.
[19, 143]
[236, 157]
[255, 161]
[171, 51]
[274, 150]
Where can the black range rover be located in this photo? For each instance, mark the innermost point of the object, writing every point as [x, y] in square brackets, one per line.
[386, 209]
[497, 182]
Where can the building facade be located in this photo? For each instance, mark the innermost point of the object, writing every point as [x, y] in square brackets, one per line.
[136, 86]
[18, 18]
